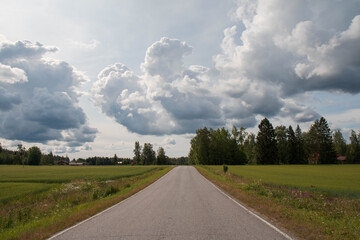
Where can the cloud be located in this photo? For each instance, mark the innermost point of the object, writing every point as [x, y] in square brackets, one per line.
[276, 52]
[168, 141]
[91, 45]
[38, 101]
[11, 75]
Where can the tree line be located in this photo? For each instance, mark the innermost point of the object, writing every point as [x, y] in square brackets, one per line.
[142, 156]
[279, 145]
[31, 156]
[145, 155]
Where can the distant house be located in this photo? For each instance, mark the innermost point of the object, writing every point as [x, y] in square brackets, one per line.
[119, 163]
[77, 164]
[314, 159]
[341, 159]
[63, 163]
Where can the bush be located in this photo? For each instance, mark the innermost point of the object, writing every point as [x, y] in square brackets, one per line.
[225, 168]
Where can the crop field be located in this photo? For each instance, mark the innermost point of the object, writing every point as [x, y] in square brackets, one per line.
[341, 180]
[17, 181]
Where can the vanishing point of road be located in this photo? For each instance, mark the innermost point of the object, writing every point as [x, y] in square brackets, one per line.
[180, 205]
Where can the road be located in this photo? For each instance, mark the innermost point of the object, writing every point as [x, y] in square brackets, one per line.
[180, 205]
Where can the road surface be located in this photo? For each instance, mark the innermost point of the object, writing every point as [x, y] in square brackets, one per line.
[180, 205]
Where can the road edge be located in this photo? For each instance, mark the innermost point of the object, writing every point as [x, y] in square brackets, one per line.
[247, 209]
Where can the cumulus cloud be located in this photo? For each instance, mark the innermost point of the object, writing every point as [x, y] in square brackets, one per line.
[276, 52]
[38, 101]
[11, 75]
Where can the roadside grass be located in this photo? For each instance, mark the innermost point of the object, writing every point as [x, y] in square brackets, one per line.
[40, 214]
[306, 212]
[10, 190]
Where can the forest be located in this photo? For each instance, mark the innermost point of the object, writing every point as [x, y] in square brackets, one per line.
[279, 145]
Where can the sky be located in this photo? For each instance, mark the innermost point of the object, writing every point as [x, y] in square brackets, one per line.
[89, 78]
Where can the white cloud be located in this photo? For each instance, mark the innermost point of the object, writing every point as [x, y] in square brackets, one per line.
[38, 98]
[11, 75]
[91, 45]
[168, 141]
[283, 51]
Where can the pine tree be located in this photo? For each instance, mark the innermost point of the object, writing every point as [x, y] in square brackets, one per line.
[300, 147]
[266, 143]
[321, 142]
[291, 146]
[282, 144]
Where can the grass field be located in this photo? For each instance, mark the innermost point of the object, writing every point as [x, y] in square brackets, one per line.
[61, 174]
[37, 201]
[17, 181]
[340, 180]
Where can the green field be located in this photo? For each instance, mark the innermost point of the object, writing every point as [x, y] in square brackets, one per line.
[17, 181]
[334, 179]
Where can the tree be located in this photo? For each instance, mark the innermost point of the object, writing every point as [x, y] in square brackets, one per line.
[321, 142]
[47, 159]
[199, 147]
[250, 148]
[147, 156]
[339, 143]
[21, 151]
[239, 135]
[34, 156]
[137, 153]
[161, 157]
[282, 144]
[266, 143]
[353, 151]
[300, 147]
[291, 146]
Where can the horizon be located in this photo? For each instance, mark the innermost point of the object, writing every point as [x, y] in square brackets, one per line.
[87, 79]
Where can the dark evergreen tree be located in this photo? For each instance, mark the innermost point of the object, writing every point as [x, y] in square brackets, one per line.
[321, 142]
[292, 146]
[266, 143]
[282, 144]
[300, 147]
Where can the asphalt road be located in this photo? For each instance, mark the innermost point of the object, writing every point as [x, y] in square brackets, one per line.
[180, 205]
